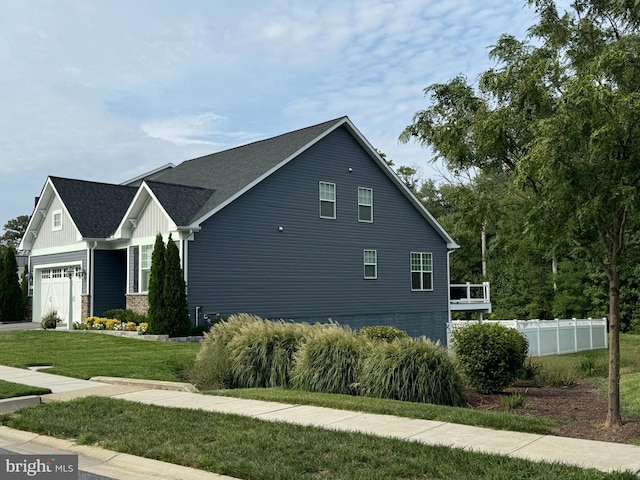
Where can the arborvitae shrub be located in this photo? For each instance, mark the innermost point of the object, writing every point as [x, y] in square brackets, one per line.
[328, 361]
[413, 370]
[176, 311]
[490, 355]
[156, 318]
[383, 332]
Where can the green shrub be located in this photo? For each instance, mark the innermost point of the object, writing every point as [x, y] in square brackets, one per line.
[261, 353]
[198, 330]
[125, 315]
[490, 355]
[50, 320]
[383, 332]
[413, 370]
[328, 361]
[211, 370]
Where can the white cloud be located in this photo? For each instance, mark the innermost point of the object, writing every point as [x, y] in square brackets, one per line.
[185, 130]
[108, 90]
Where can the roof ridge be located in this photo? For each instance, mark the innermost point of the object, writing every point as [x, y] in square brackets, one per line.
[54, 177]
[291, 132]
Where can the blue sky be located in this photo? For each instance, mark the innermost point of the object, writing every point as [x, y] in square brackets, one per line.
[105, 90]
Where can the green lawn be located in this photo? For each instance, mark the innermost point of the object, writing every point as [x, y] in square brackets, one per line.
[84, 354]
[10, 390]
[252, 449]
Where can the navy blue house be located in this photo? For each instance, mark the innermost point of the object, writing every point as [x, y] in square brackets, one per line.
[308, 226]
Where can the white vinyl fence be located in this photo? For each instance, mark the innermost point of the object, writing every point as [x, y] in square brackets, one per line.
[549, 337]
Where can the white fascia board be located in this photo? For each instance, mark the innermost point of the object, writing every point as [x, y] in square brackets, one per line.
[137, 207]
[199, 221]
[132, 212]
[172, 224]
[146, 174]
[56, 250]
[451, 243]
[36, 221]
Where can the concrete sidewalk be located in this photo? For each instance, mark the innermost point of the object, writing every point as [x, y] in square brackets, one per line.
[583, 453]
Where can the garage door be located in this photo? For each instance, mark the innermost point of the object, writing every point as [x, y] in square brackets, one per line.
[54, 288]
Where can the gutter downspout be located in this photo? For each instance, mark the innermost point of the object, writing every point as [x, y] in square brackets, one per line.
[91, 277]
[449, 252]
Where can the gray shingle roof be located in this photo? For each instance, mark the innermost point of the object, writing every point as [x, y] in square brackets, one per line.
[229, 171]
[190, 190]
[96, 208]
[181, 202]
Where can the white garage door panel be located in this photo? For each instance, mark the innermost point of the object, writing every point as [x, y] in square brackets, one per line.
[54, 297]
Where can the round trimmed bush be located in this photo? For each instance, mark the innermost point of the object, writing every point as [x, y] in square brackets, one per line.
[490, 355]
[328, 361]
[412, 370]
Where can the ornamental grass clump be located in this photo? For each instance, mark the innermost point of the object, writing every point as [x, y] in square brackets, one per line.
[211, 369]
[411, 370]
[262, 353]
[383, 332]
[490, 355]
[328, 361]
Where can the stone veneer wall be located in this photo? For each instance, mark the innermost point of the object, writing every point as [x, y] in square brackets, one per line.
[85, 307]
[139, 303]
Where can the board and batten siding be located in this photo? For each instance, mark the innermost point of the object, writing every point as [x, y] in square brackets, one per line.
[269, 253]
[47, 237]
[151, 222]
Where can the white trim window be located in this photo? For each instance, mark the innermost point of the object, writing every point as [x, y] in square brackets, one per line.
[56, 220]
[370, 264]
[146, 252]
[421, 271]
[327, 200]
[365, 204]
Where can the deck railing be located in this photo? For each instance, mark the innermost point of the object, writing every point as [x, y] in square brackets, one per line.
[470, 293]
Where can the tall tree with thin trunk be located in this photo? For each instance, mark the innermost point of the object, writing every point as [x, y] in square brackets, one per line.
[561, 112]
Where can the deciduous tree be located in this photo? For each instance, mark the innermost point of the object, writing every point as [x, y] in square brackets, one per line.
[561, 112]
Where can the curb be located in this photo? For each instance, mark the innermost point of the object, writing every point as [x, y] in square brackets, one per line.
[151, 384]
[16, 403]
[100, 461]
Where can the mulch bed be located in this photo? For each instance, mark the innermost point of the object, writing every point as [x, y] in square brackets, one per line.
[582, 408]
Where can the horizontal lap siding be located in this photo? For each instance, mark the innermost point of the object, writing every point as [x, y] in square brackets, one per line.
[239, 261]
[62, 259]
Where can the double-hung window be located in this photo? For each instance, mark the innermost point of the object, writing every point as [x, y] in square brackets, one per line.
[421, 271]
[370, 264]
[56, 220]
[327, 200]
[145, 266]
[365, 204]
